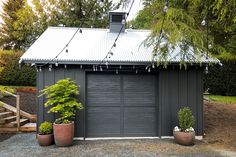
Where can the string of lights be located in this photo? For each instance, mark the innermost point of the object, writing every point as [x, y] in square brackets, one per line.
[65, 47]
[205, 22]
[110, 53]
[160, 34]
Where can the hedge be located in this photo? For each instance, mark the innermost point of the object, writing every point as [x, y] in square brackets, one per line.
[12, 74]
[221, 80]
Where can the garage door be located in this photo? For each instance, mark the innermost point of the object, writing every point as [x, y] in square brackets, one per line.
[121, 105]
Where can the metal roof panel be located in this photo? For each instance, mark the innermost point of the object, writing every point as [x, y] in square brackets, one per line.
[93, 45]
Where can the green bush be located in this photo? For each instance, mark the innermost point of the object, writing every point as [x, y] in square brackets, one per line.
[12, 74]
[61, 97]
[4, 89]
[45, 128]
[221, 80]
[186, 119]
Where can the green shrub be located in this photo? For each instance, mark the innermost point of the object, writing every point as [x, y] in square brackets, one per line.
[45, 128]
[12, 74]
[61, 97]
[4, 89]
[186, 119]
[221, 80]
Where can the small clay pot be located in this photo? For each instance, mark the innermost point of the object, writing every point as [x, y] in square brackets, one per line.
[63, 134]
[45, 140]
[184, 138]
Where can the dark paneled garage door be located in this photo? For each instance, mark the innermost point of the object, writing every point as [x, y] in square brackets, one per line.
[121, 105]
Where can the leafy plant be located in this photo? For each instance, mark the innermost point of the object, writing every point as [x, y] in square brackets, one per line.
[45, 128]
[186, 119]
[62, 99]
[4, 91]
[11, 74]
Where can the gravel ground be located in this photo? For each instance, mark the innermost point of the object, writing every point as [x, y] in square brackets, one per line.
[25, 145]
[5, 136]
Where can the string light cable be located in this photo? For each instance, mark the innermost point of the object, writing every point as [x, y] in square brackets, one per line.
[110, 53]
[161, 33]
[77, 30]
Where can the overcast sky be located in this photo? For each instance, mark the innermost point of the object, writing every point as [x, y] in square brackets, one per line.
[136, 7]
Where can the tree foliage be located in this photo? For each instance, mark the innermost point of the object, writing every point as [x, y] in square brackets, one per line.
[34, 16]
[11, 73]
[182, 26]
[7, 38]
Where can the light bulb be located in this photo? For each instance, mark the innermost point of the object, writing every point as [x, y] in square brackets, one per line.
[153, 65]
[165, 9]
[123, 21]
[206, 69]
[203, 22]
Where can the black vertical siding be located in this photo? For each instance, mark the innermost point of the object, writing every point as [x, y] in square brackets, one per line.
[47, 78]
[176, 88]
[79, 119]
[40, 100]
[180, 88]
[199, 100]
[173, 98]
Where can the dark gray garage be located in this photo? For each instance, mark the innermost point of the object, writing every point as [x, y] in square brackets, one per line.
[124, 93]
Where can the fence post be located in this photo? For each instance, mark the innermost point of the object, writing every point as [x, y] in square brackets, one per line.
[18, 112]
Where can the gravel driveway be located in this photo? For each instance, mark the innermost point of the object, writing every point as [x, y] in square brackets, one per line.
[25, 145]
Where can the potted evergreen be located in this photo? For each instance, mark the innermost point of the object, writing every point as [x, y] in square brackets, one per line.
[45, 136]
[185, 134]
[61, 97]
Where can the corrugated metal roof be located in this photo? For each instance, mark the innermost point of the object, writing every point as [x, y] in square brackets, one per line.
[92, 46]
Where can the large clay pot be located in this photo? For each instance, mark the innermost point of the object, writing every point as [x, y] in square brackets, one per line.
[184, 138]
[45, 140]
[63, 134]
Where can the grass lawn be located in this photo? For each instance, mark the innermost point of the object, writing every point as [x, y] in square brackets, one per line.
[223, 99]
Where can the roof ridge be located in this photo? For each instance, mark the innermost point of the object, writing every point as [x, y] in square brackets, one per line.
[97, 29]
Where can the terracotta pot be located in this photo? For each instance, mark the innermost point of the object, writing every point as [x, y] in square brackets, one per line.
[45, 140]
[63, 134]
[184, 138]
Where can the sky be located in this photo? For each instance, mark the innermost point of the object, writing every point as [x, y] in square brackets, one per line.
[136, 7]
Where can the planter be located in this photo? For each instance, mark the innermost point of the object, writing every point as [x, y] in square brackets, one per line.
[184, 138]
[45, 140]
[63, 134]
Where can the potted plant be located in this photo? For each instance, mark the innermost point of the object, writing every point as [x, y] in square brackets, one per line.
[62, 98]
[185, 134]
[45, 136]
